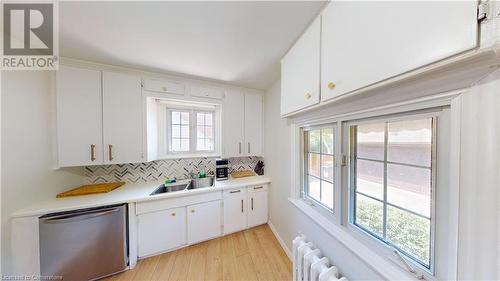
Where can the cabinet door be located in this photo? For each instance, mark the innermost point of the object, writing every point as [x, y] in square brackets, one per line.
[232, 124]
[257, 208]
[163, 86]
[161, 231]
[205, 92]
[79, 116]
[122, 118]
[392, 38]
[300, 72]
[235, 214]
[253, 125]
[204, 221]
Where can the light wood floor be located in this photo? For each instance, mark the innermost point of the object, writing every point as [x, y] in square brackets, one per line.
[252, 254]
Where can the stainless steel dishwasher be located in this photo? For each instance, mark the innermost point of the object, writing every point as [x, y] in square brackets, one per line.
[84, 245]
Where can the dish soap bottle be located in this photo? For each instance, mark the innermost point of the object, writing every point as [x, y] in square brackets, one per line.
[202, 173]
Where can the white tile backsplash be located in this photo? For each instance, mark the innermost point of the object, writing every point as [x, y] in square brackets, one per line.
[162, 169]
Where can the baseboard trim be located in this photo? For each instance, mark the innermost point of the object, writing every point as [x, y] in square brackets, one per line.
[280, 240]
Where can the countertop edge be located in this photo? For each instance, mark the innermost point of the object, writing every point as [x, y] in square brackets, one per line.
[223, 185]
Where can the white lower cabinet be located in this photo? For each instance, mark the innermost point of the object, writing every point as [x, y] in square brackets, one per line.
[257, 206]
[204, 221]
[161, 231]
[245, 207]
[235, 210]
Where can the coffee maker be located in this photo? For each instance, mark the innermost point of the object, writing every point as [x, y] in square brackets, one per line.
[221, 169]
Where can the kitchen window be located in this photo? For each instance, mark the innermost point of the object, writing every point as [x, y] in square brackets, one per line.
[188, 130]
[319, 165]
[392, 183]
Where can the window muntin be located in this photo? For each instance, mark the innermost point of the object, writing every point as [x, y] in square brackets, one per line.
[180, 132]
[189, 131]
[204, 131]
[392, 181]
[319, 165]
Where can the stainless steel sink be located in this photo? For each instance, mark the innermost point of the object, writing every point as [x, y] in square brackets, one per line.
[184, 185]
[170, 188]
[202, 182]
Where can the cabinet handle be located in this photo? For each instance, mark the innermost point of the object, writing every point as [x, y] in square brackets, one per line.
[331, 85]
[92, 152]
[252, 203]
[248, 147]
[258, 187]
[239, 144]
[164, 89]
[307, 95]
[235, 191]
[111, 152]
[173, 214]
[192, 211]
[242, 205]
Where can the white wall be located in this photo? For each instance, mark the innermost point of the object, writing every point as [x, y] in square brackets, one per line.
[479, 226]
[287, 220]
[479, 231]
[27, 147]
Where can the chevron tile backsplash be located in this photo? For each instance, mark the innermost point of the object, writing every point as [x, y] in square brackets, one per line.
[162, 169]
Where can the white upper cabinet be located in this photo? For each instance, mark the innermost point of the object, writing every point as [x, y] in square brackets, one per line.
[300, 77]
[79, 116]
[205, 92]
[122, 118]
[163, 86]
[363, 43]
[253, 125]
[242, 119]
[233, 121]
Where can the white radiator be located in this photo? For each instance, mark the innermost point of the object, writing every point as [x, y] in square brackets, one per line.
[310, 265]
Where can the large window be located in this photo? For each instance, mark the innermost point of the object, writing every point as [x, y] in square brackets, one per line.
[319, 165]
[392, 179]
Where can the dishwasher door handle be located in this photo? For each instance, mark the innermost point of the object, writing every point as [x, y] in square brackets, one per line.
[79, 216]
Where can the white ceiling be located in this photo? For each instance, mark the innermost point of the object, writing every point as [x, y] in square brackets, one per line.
[239, 43]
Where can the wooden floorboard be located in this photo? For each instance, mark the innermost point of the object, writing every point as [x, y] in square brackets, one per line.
[252, 254]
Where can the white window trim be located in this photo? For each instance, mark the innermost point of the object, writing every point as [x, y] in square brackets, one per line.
[164, 130]
[388, 266]
[360, 230]
[331, 214]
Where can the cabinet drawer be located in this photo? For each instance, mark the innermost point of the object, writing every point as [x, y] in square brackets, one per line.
[164, 86]
[237, 192]
[257, 188]
[205, 92]
[157, 205]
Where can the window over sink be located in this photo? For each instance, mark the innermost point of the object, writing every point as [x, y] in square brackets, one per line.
[188, 129]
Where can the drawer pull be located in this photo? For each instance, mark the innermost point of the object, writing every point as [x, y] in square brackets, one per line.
[307, 95]
[252, 203]
[235, 191]
[92, 152]
[173, 214]
[258, 187]
[192, 211]
[164, 89]
[242, 205]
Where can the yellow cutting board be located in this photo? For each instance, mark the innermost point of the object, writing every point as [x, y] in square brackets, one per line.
[241, 174]
[91, 189]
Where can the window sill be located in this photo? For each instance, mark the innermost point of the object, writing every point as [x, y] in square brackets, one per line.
[378, 263]
[190, 155]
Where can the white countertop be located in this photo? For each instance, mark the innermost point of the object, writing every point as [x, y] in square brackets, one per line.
[128, 193]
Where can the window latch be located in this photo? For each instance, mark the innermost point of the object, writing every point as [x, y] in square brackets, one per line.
[343, 161]
[408, 267]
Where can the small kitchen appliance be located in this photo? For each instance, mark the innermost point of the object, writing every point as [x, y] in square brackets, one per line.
[221, 169]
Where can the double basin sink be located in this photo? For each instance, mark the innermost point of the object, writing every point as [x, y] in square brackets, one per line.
[184, 185]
